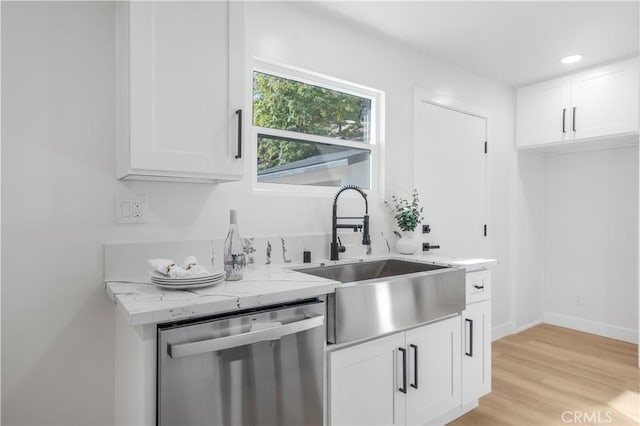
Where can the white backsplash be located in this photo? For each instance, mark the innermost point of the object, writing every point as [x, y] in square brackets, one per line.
[127, 260]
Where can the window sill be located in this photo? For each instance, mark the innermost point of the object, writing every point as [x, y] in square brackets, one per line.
[305, 191]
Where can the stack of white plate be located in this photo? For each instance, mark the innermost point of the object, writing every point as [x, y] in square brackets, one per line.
[185, 283]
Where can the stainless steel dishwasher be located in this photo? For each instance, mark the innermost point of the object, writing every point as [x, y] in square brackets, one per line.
[258, 367]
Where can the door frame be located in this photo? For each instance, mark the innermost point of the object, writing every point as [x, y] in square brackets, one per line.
[442, 100]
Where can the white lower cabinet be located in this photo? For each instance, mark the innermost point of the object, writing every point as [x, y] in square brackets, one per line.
[434, 370]
[364, 383]
[406, 378]
[476, 358]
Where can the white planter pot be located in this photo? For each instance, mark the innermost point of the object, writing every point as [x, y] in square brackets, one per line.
[407, 244]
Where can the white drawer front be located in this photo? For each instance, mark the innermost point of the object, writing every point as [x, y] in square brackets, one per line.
[478, 286]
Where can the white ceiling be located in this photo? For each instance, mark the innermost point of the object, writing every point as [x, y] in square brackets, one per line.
[514, 42]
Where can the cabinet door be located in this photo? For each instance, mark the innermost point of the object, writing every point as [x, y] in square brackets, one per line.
[476, 347]
[181, 121]
[434, 370]
[364, 382]
[542, 112]
[606, 100]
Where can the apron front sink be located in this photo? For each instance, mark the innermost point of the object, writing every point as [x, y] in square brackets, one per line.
[383, 296]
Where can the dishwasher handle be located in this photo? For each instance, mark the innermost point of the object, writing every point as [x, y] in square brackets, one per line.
[227, 342]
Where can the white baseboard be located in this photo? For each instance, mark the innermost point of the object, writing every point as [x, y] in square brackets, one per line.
[593, 327]
[527, 326]
[502, 330]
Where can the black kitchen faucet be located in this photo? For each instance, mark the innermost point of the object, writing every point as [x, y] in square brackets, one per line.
[337, 247]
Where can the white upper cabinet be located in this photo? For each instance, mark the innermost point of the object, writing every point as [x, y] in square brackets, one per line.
[542, 112]
[179, 87]
[605, 100]
[592, 104]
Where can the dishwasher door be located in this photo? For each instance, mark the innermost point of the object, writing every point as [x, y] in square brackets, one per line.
[262, 367]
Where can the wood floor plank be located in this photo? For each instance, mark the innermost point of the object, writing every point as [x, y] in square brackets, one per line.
[550, 375]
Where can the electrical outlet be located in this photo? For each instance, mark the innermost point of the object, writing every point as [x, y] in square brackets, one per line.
[138, 209]
[131, 210]
[579, 300]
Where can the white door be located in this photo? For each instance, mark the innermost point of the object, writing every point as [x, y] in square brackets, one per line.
[476, 351]
[364, 382]
[179, 83]
[543, 112]
[606, 100]
[434, 370]
[450, 173]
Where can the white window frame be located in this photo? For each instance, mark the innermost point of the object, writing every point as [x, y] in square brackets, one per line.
[376, 135]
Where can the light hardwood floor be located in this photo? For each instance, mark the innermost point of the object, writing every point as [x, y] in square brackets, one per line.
[551, 375]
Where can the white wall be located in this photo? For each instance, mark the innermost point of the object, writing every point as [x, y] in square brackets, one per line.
[530, 233]
[58, 184]
[577, 241]
[57, 143]
[306, 37]
[591, 243]
[0, 221]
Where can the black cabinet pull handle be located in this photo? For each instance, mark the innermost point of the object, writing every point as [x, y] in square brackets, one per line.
[470, 353]
[564, 116]
[239, 114]
[479, 287]
[574, 119]
[415, 367]
[403, 388]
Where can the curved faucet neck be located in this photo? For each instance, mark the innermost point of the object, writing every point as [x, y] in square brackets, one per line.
[355, 188]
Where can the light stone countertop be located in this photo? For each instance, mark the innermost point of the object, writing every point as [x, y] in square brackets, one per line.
[143, 303]
[469, 264]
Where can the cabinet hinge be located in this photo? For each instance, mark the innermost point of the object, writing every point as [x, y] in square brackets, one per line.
[485, 230]
[486, 149]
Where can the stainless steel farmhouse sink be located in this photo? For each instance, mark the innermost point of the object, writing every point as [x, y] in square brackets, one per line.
[383, 296]
[361, 271]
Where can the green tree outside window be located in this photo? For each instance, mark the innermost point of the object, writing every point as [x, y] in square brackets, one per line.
[280, 103]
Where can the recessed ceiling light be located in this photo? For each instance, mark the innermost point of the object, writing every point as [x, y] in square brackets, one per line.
[571, 59]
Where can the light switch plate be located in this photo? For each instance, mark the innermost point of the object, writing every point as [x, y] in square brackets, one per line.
[131, 210]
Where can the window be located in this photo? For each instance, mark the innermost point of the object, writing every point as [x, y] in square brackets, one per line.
[312, 131]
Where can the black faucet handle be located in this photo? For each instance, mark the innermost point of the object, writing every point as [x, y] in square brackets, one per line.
[341, 248]
[429, 246]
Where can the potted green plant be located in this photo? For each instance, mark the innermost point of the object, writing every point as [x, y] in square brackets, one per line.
[408, 214]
